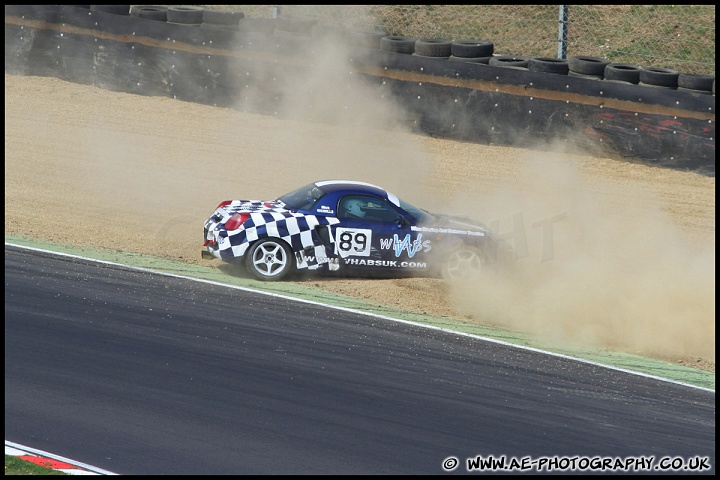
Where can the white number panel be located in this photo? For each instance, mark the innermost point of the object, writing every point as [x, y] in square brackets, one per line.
[353, 242]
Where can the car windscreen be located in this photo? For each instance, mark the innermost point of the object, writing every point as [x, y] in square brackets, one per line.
[420, 215]
[303, 198]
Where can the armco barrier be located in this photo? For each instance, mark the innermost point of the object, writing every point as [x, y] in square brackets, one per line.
[458, 100]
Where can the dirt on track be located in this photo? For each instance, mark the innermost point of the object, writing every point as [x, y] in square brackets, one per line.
[609, 253]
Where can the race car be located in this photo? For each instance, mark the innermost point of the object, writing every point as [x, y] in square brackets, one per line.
[345, 226]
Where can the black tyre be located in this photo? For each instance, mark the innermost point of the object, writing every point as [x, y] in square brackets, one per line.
[462, 263]
[624, 72]
[472, 48]
[516, 61]
[588, 65]
[222, 17]
[696, 82]
[185, 14]
[659, 77]
[116, 9]
[548, 65]
[432, 47]
[150, 12]
[398, 44]
[269, 259]
[483, 60]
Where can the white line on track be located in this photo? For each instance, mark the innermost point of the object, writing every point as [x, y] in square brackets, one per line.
[360, 312]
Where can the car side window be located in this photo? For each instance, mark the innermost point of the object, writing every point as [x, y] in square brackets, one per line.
[366, 208]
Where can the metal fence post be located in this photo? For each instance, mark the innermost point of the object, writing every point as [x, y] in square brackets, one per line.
[563, 31]
[276, 11]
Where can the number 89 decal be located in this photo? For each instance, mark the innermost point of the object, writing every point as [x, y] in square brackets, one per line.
[353, 242]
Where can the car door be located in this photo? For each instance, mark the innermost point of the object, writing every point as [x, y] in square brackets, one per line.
[380, 239]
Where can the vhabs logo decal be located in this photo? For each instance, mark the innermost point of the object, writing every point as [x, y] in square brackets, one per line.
[406, 244]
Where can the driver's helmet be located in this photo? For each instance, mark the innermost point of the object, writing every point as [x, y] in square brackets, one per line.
[354, 207]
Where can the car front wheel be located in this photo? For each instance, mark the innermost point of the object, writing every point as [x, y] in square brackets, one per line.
[462, 263]
[269, 260]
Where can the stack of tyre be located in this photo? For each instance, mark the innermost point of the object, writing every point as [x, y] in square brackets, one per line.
[190, 15]
[474, 51]
[482, 52]
[180, 14]
[150, 12]
[603, 69]
[398, 44]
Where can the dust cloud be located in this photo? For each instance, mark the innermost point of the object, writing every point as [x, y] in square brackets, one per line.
[591, 267]
[370, 139]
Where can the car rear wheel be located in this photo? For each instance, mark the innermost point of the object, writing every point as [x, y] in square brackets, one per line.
[462, 263]
[269, 259]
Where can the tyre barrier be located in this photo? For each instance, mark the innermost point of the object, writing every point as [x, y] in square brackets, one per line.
[556, 66]
[218, 26]
[472, 48]
[623, 72]
[650, 85]
[481, 60]
[586, 65]
[510, 61]
[659, 77]
[696, 82]
[186, 73]
[185, 15]
[157, 13]
[398, 44]
[582, 75]
[433, 47]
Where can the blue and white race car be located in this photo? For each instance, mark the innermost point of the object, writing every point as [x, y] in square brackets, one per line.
[345, 226]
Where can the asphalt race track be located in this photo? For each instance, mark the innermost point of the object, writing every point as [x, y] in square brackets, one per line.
[138, 373]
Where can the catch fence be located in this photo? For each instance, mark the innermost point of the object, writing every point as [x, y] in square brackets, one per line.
[681, 37]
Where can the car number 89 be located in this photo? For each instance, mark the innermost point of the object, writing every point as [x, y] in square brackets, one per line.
[353, 241]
